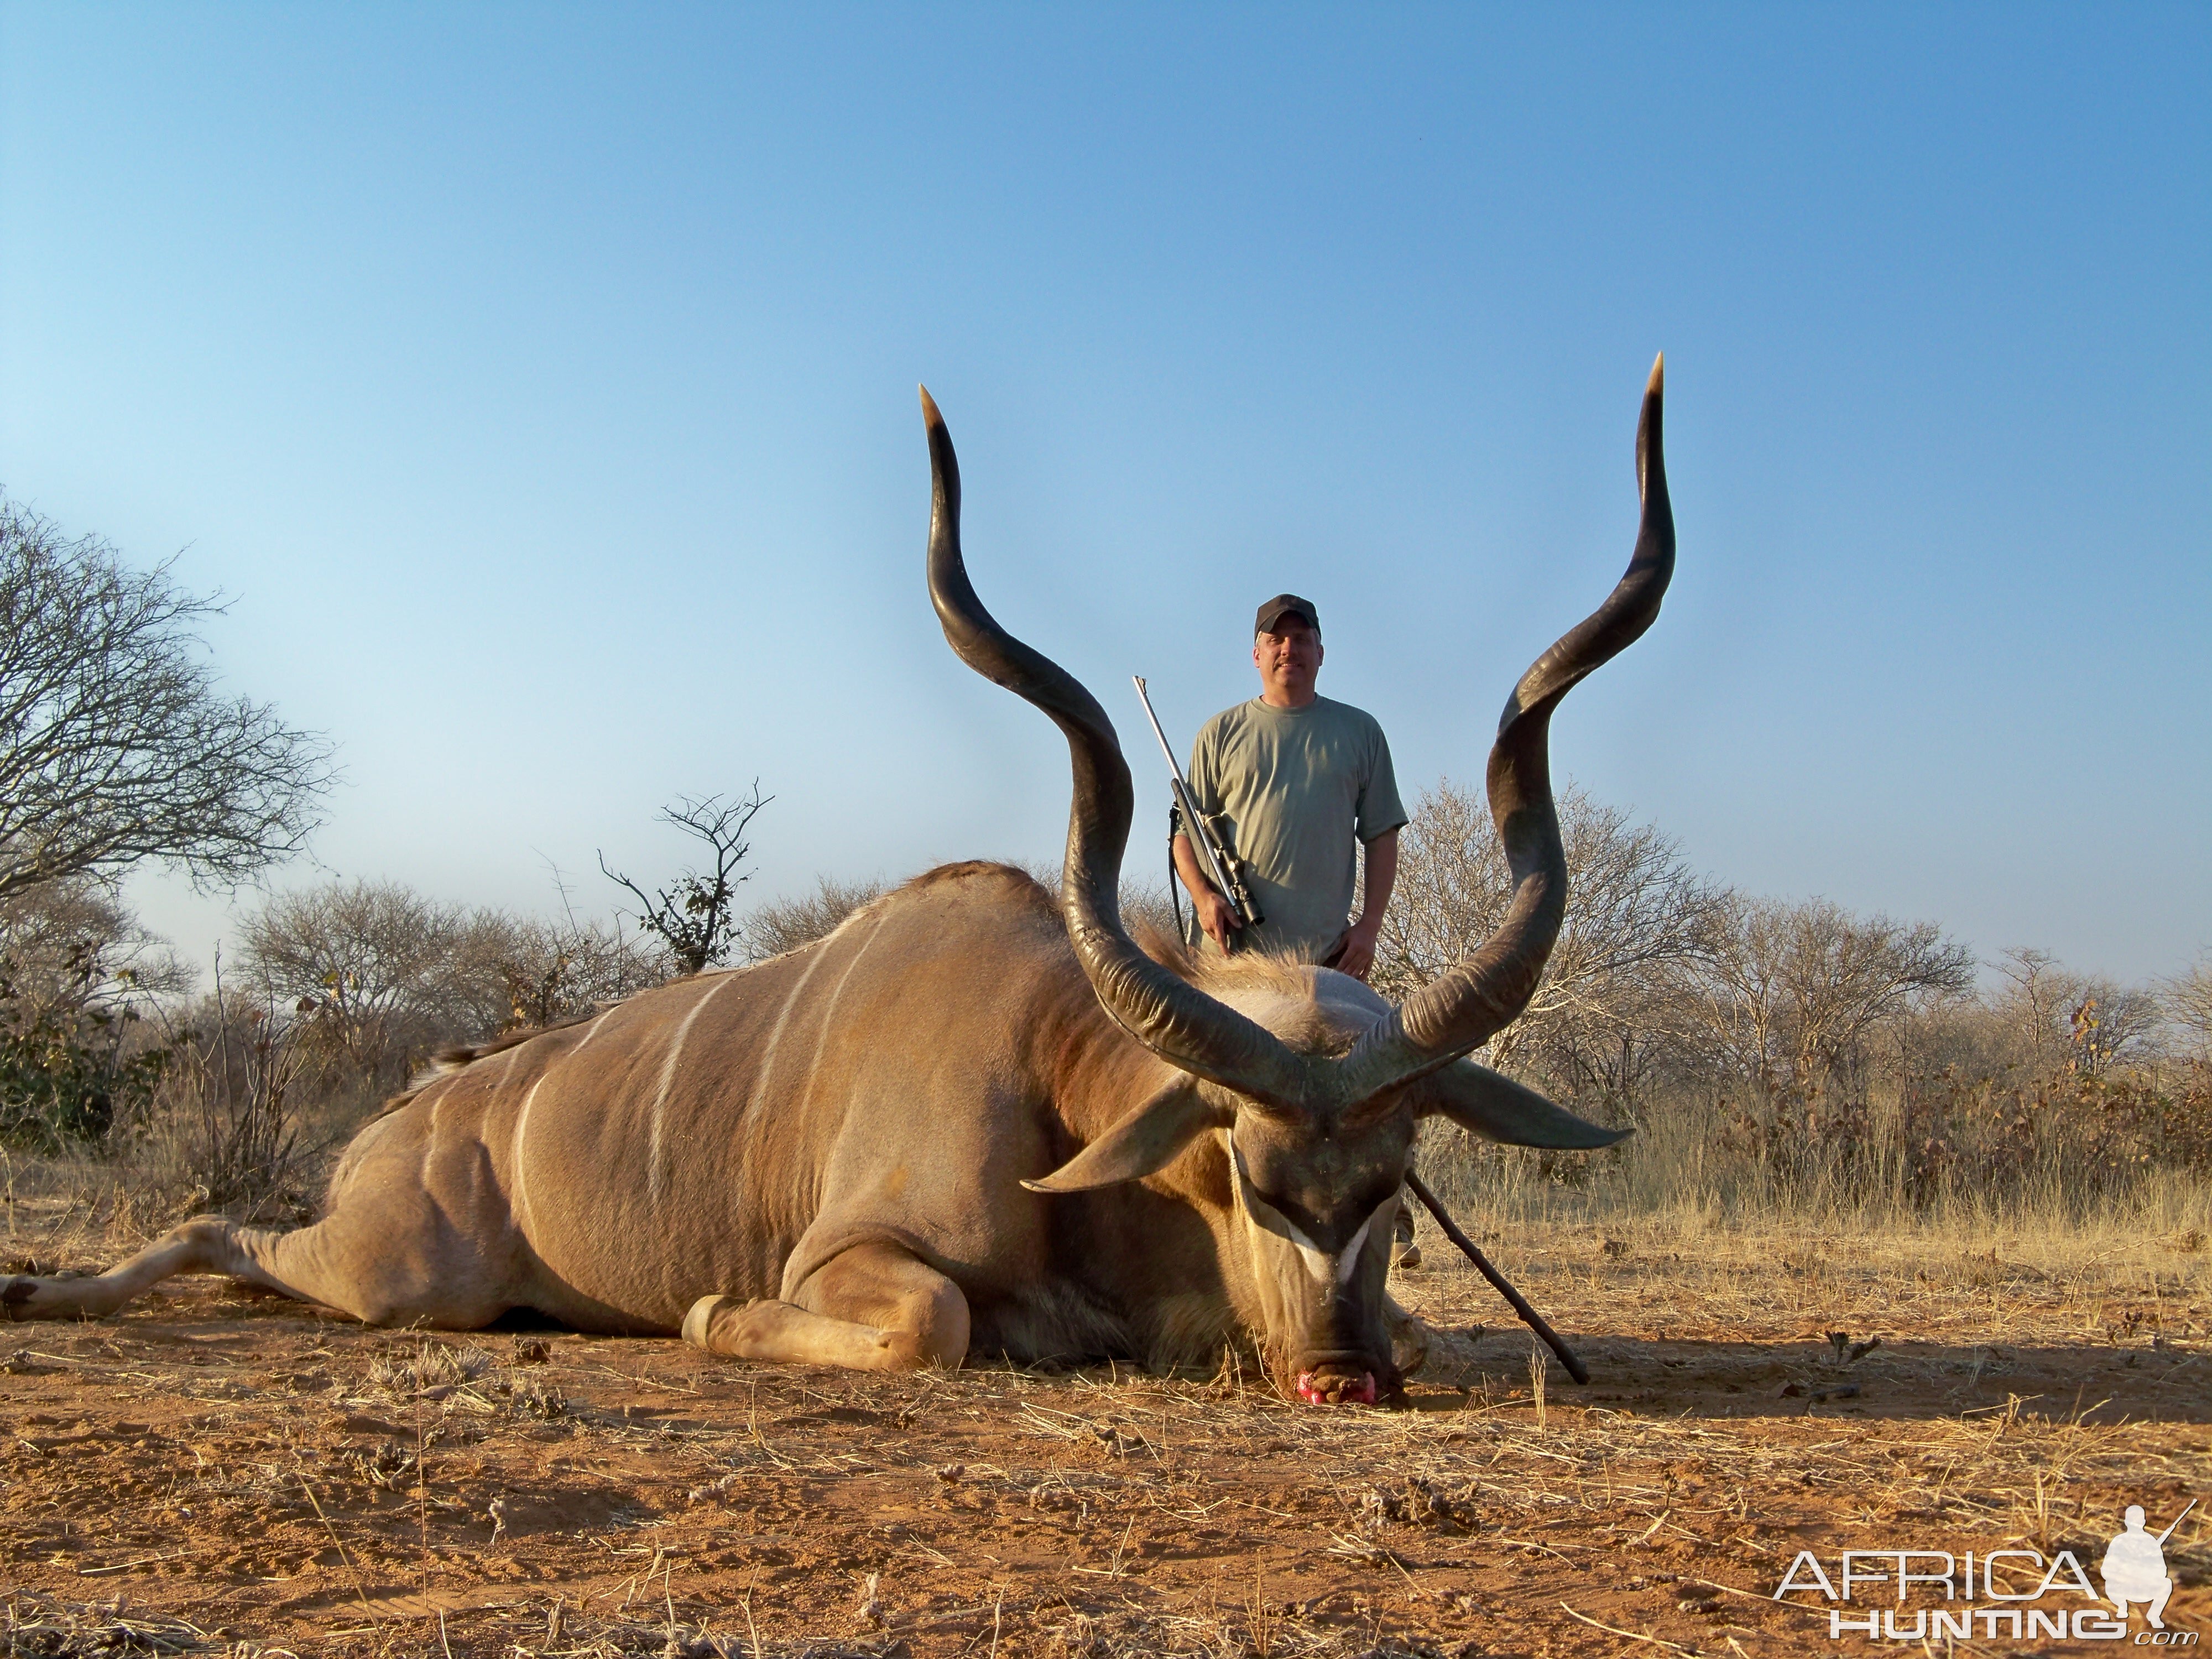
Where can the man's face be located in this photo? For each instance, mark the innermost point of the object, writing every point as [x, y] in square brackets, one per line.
[1288, 660]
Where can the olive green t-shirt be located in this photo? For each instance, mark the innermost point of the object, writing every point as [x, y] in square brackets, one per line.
[1297, 787]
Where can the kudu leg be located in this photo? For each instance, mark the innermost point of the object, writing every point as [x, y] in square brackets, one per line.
[384, 1266]
[205, 1244]
[872, 1308]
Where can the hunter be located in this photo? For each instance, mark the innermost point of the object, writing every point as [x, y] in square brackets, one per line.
[1295, 780]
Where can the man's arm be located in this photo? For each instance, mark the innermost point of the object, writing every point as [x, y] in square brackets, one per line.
[1358, 958]
[1214, 913]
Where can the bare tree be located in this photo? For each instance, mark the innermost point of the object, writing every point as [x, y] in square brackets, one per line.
[2036, 1000]
[695, 914]
[2187, 998]
[115, 745]
[527, 973]
[228, 1126]
[783, 924]
[546, 970]
[1794, 989]
[373, 965]
[2085, 1021]
[68, 949]
[378, 976]
[1635, 915]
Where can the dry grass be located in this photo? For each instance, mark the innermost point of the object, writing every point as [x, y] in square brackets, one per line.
[250, 1467]
[42, 1625]
[75, 1213]
[1677, 1170]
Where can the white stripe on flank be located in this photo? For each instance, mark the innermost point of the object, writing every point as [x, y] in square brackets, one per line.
[775, 1032]
[654, 1179]
[590, 1031]
[821, 1041]
[514, 1153]
[522, 1118]
[435, 1094]
[505, 1075]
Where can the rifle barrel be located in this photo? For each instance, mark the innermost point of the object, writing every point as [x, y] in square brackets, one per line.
[2178, 1520]
[1173, 765]
[1196, 829]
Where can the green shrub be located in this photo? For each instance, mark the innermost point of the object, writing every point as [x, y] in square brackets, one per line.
[68, 1080]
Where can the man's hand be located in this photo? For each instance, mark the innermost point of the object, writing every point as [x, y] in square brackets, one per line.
[1216, 916]
[1356, 956]
[1214, 912]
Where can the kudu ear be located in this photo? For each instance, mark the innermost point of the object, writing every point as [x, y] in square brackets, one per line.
[1498, 1109]
[1143, 1142]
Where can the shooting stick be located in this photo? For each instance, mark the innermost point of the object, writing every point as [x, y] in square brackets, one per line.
[1529, 1316]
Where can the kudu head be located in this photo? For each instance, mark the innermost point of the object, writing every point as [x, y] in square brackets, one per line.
[1314, 1084]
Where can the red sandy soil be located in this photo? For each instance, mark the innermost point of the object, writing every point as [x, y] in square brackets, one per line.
[220, 1471]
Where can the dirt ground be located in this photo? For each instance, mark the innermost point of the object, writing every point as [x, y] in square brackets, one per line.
[222, 1472]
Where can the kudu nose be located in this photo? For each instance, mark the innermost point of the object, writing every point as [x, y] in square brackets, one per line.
[1336, 1388]
[1344, 1377]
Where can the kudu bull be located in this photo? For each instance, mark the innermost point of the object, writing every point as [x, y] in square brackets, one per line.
[964, 1122]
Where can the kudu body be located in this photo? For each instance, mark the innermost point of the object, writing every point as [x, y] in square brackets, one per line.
[964, 1121]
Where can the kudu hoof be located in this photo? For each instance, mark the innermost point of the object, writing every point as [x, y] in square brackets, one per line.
[699, 1323]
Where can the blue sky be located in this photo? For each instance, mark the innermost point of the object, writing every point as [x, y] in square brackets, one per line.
[540, 381]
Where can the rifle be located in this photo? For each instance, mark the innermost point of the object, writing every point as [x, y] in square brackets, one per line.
[1204, 833]
[2178, 1520]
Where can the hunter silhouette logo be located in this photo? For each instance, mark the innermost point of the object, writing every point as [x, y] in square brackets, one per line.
[2015, 1593]
[2134, 1567]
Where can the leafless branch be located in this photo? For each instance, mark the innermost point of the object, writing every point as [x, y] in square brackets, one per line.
[695, 916]
[115, 745]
